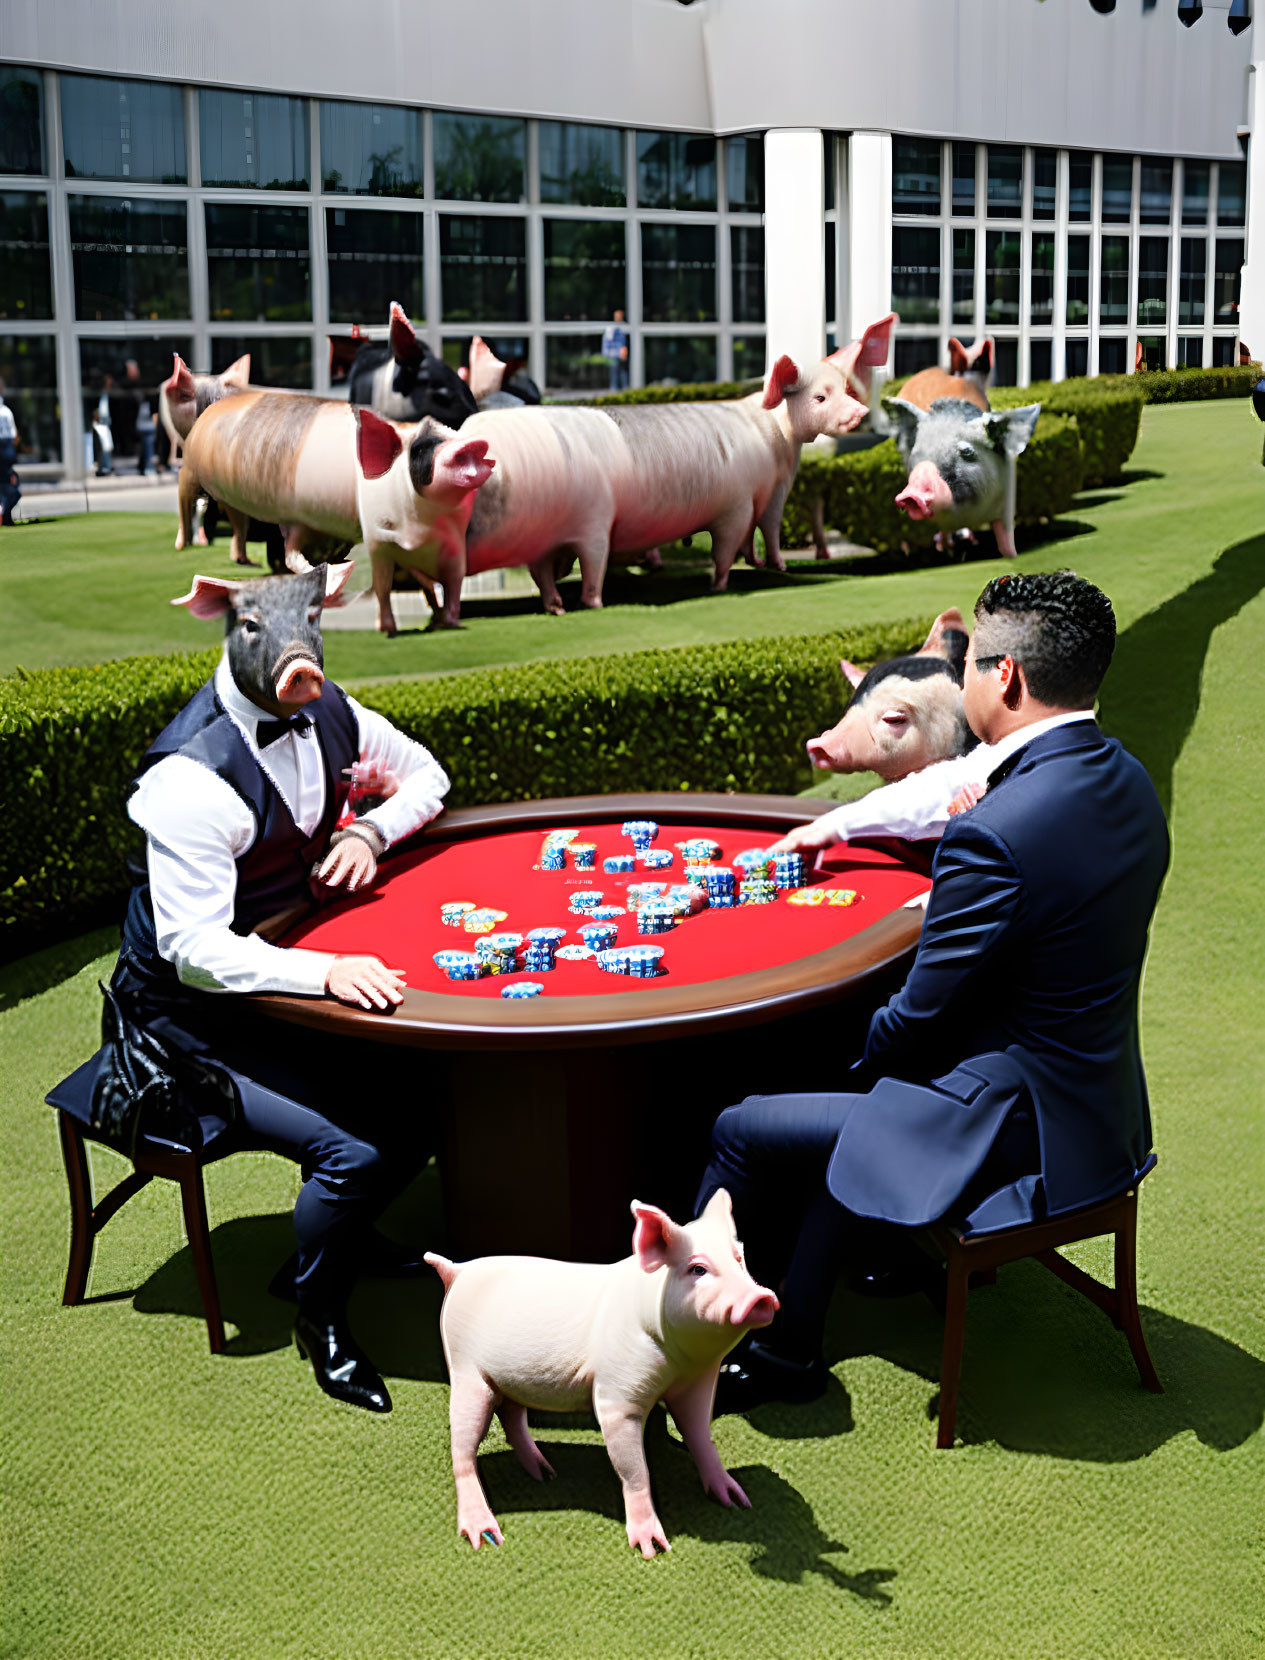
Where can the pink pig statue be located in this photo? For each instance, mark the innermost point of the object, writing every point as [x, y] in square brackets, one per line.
[528, 1332]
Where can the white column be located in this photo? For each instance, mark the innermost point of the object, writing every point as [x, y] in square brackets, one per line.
[869, 232]
[1252, 296]
[794, 245]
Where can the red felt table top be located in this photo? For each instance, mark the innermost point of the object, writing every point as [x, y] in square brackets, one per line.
[399, 920]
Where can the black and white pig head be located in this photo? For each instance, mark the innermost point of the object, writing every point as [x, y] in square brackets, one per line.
[831, 397]
[956, 455]
[272, 631]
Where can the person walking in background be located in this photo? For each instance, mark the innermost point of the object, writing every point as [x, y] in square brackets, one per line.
[615, 351]
[10, 489]
[144, 418]
[102, 435]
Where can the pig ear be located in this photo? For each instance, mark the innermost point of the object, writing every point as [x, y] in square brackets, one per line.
[377, 443]
[905, 417]
[959, 362]
[654, 1237]
[781, 378]
[180, 385]
[210, 596]
[855, 361]
[462, 464]
[980, 357]
[403, 339]
[853, 675]
[720, 1209]
[335, 580]
[1010, 429]
[238, 374]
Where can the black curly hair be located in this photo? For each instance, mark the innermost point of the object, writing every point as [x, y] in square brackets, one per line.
[1059, 628]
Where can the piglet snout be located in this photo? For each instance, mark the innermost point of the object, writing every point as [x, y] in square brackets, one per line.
[915, 503]
[756, 1308]
[817, 754]
[299, 681]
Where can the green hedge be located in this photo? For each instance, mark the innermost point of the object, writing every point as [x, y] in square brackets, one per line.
[859, 490]
[723, 717]
[708, 391]
[1185, 385]
[1107, 418]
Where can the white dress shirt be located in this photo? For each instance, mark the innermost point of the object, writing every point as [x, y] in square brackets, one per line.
[198, 827]
[917, 808]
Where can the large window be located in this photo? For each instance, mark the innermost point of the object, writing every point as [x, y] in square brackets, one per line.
[914, 354]
[585, 268]
[1112, 355]
[1156, 204]
[1195, 176]
[1113, 294]
[1190, 351]
[1193, 280]
[371, 149]
[964, 181]
[131, 258]
[749, 353]
[1231, 193]
[254, 138]
[744, 172]
[1002, 254]
[1005, 362]
[1076, 358]
[574, 363]
[126, 373]
[679, 358]
[1077, 279]
[581, 164]
[1005, 181]
[1044, 175]
[1117, 189]
[26, 282]
[1226, 275]
[678, 275]
[275, 359]
[746, 267]
[963, 275]
[374, 257]
[916, 273]
[480, 158]
[916, 176]
[676, 170]
[21, 121]
[483, 269]
[122, 130]
[258, 263]
[1152, 281]
[1080, 187]
[28, 368]
[1040, 360]
[1041, 287]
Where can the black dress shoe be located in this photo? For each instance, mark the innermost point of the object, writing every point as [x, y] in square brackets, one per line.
[762, 1375]
[342, 1368]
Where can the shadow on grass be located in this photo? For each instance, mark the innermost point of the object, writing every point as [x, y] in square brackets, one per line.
[1044, 1371]
[42, 970]
[1150, 697]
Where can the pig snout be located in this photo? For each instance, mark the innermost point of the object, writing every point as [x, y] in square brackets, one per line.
[818, 754]
[297, 679]
[754, 1308]
[926, 494]
[832, 751]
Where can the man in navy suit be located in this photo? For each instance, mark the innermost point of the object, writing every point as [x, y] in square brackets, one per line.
[1003, 1082]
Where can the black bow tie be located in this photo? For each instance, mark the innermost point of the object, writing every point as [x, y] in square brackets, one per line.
[268, 731]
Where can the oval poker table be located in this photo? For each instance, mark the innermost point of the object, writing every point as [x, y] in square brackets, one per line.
[561, 1108]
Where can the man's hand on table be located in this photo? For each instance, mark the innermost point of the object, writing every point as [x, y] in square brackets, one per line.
[366, 982]
[806, 838]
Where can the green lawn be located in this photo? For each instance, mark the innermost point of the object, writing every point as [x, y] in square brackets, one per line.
[159, 1502]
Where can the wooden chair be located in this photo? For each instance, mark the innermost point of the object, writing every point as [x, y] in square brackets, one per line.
[72, 1098]
[977, 1257]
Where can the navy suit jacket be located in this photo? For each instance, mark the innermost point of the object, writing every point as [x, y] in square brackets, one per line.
[1024, 989]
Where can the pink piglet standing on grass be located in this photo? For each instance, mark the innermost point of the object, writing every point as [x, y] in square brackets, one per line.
[524, 1333]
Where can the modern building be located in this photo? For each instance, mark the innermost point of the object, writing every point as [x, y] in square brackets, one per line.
[736, 176]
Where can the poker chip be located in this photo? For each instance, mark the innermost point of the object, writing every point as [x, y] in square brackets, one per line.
[540, 957]
[522, 988]
[599, 936]
[553, 935]
[656, 917]
[754, 860]
[842, 896]
[452, 911]
[583, 855]
[614, 961]
[640, 832]
[619, 864]
[644, 961]
[460, 965]
[553, 858]
[587, 899]
[656, 858]
[788, 870]
[756, 890]
[482, 921]
[607, 913]
[807, 896]
[698, 847]
[640, 892]
[573, 953]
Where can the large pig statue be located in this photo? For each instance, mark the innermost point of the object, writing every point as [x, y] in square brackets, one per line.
[905, 713]
[402, 378]
[329, 474]
[527, 1334]
[625, 478]
[959, 453]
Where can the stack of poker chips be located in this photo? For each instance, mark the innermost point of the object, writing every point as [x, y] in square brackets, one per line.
[698, 848]
[641, 832]
[599, 936]
[459, 965]
[613, 962]
[619, 864]
[553, 856]
[756, 890]
[454, 912]
[640, 893]
[754, 861]
[722, 888]
[691, 894]
[550, 936]
[657, 916]
[482, 921]
[607, 913]
[586, 900]
[641, 961]
[499, 952]
[522, 988]
[656, 858]
[788, 870]
[584, 855]
[540, 956]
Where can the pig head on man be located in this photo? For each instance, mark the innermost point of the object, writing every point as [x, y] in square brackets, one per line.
[960, 454]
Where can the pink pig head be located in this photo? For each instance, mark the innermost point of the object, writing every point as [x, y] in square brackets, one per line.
[442, 466]
[831, 398]
[709, 1299]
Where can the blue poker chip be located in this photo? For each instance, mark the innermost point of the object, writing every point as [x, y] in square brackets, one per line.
[553, 858]
[614, 961]
[586, 899]
[573, 953]
[522, 988]
[640, 831]
[620, 864]
[607, 913]
[656, 858]
[554, 934]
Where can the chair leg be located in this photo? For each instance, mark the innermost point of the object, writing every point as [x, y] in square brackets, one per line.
[82, 1232]
[194, 1201]
[951, 1352]
[1127, 1317]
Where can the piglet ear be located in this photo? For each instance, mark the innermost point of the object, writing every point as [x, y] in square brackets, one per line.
[180, 384]
[335, 580]
[210, 596]
[720, 1209]
[853, 675]
[462, 464]
[855, 360]
[377, 443]
[237, 374]
[959, 362]
[654, 1236]
[782, 376]
[402, 337]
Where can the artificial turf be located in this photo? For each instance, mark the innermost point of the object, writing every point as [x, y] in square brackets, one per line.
[161, 1502]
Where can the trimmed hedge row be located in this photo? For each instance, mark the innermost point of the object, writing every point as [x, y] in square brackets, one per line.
[723, 717]
[1107, 419]
[859, 490]
[707, 391]
[1186, 385]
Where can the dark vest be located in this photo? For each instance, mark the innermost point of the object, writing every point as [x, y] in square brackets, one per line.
[273, 872]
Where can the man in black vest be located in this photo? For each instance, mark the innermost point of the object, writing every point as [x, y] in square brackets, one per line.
[239, 799]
